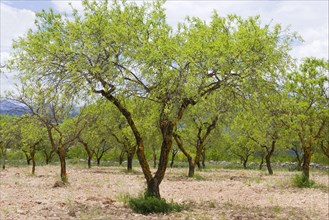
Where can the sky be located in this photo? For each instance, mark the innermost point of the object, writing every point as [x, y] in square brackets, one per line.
[309, 18]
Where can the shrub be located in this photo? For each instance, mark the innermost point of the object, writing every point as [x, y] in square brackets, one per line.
[148, 204]
[301, 181]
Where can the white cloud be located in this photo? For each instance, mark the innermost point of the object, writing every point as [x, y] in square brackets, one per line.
[14, 23]
[67, 5]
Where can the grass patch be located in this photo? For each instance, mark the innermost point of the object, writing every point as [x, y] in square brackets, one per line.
[149, 204]
[198, 177]
[301, 181]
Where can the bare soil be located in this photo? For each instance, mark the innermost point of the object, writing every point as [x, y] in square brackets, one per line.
[97, 193]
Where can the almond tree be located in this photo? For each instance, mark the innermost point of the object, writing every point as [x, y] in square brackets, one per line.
[32, 135]
[51, 108]
[122, 50]
[307, 110]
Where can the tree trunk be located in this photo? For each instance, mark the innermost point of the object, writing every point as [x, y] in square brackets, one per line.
[3, 159]
[33, 165]
[268, 164]
[191, 168]
[33, 160]
[153, 189]
[245, 163]
[203, 159]
[268, 157]
[130, 161]
[307, 161]
[89, 161]
[61, 155]
[167, 128]
[28, 158]
[173, 155]
[98, 161]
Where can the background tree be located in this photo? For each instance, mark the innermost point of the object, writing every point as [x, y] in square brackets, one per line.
[51, 108]
[307, 105]
[32, 135]
[9, 136]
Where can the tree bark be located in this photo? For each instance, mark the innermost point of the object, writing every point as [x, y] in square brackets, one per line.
[191, 168]
[173, 155]
[269, 155]
[61, 155]
[245, 161]
[153, 189]
[307, 161]
[32, 156]
[89, 161]
[130, 161]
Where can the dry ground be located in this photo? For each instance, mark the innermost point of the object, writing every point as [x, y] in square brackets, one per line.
[213, 194]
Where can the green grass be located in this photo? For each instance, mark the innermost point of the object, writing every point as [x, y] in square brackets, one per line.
[301, 181]
[149, 204]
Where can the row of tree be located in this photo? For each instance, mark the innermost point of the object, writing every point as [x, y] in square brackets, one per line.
[167, 85]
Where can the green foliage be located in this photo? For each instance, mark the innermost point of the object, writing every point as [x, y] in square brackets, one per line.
[301, 181]
[149, 204]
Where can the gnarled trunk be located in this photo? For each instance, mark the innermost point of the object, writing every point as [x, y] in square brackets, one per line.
[167, 128]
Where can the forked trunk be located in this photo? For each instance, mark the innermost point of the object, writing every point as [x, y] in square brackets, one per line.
[61, 155]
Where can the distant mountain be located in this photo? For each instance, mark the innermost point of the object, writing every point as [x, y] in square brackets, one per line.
[8, 107]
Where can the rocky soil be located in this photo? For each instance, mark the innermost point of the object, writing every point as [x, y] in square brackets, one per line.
[97, 193]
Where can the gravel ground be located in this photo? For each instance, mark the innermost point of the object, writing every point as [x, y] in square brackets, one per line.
[212, 194]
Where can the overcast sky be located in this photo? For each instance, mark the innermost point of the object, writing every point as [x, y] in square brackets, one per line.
[308, 18]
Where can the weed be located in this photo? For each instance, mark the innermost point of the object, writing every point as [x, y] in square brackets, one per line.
[148, 204]
[302, 181]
